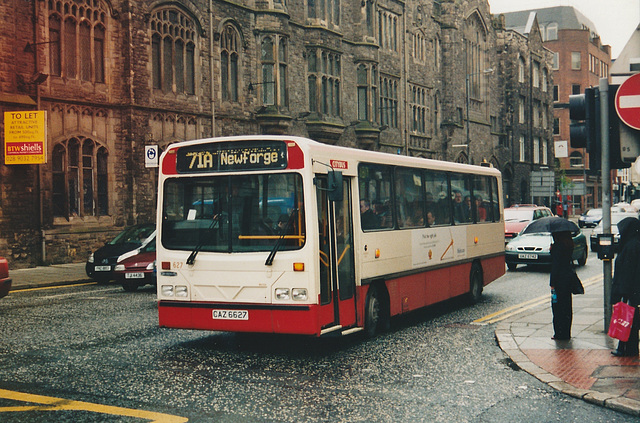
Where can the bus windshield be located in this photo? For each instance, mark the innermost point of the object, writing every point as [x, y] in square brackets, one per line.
[237, 213]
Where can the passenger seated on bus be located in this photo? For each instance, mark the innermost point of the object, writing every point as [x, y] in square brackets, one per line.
[431, 219]
[368, 219]
[458, 207]
[481, 211]
[468, 215]
[382, 212]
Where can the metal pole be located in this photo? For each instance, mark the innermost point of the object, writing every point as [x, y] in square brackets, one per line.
[606, 194]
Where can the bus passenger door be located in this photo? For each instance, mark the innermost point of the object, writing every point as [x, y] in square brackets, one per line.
[337, 268]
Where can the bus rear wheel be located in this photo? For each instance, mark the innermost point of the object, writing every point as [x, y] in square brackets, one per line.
[475, 284]
[376, 313]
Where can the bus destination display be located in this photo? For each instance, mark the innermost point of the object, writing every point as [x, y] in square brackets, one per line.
[216, 157]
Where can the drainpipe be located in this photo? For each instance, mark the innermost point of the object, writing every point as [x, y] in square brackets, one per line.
[211, 69]
[43, 244]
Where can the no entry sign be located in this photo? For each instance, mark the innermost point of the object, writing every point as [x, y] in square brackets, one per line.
[628, 101]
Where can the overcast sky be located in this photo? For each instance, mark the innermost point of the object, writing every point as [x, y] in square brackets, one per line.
[615, 20]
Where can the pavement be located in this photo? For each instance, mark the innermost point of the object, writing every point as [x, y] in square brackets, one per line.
[581, 367]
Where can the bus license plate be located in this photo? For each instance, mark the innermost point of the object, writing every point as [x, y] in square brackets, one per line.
[528, 256]
[102, 268]
[135, 275]
[230, 314]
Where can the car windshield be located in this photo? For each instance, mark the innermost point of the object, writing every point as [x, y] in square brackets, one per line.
[233, 213]
[133, 235]
[518, 215]
[594, 212]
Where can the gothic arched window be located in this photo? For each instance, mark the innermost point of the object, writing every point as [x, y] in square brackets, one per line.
[79, 178]
[77, 39]
[173, 51]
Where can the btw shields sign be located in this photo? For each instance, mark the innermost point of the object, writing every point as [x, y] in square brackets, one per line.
[25, 137]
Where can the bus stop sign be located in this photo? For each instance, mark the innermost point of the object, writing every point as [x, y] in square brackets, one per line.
[628, 101]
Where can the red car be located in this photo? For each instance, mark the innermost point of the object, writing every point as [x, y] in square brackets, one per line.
[517, 217]
[137, 268]
[5, 280]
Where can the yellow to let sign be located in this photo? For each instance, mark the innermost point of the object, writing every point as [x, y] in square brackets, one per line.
[25, 137]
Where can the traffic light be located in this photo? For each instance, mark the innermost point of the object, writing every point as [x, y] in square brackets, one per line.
[584, 130]
[621, 137]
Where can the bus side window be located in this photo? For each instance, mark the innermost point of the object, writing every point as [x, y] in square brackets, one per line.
[480, 197]
[495, 201]
[375, 196]
[409, 196]
[437, 188]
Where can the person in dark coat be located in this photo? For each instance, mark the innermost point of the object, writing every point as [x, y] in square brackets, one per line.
[626, 280]
[560, 282]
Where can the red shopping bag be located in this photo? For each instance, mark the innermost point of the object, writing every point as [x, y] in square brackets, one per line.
[621, 319]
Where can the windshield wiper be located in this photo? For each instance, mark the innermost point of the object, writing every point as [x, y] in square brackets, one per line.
[192, 257]
[276, 247]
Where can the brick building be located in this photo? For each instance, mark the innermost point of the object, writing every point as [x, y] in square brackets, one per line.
[421, 78]
[579, 61]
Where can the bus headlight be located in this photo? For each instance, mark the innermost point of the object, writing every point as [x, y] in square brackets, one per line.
[167, 290]
[119, 268]
[282, 293]
[299, 294]
[151, 266]
[90, 259]
[181, 291]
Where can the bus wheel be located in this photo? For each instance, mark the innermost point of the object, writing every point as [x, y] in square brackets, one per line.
[475, 284]
[372, 312]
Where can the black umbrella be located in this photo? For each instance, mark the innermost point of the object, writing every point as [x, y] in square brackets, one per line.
[551, 224]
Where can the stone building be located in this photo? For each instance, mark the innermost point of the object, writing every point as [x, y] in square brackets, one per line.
[416, 77]
[525, 70]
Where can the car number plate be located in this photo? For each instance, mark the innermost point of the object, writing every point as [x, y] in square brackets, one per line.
[135, 275]
[230, 314]
[102, 268]
[528, 256]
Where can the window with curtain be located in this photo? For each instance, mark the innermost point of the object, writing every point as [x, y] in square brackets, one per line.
[476, 62]
[229, 62]
[274, 63]
[79, 178]
[77, 39]
[324, 70]
[389, 101]
[174, 37]
[327, 11]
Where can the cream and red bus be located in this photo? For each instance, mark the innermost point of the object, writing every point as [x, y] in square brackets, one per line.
[279, 234]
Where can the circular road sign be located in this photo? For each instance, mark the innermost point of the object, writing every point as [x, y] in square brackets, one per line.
[628, 101]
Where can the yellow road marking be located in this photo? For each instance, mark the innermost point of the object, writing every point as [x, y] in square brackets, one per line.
[519, 308]
[56, 404]
[52, 287]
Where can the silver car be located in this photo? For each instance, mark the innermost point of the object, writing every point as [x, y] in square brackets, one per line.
[615, 218]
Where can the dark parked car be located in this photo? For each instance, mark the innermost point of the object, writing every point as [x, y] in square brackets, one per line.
[101, 263]
[590, 218]
[5, 280]
[137, 268]
[534, 248]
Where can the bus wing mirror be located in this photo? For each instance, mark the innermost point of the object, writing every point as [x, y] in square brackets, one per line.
[334, 178]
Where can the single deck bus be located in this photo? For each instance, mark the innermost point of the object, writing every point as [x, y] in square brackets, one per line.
[279, 234]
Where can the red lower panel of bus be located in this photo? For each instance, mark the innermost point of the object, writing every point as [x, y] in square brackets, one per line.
[301, 320]
[412, 292]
